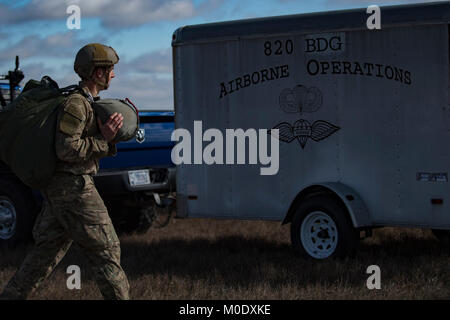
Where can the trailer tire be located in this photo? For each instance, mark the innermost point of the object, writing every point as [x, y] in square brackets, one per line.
[18, 213]
[321, 229]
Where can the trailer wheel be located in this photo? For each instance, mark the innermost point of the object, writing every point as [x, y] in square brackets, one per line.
[442, 235]
[18, 212]
[321, 229]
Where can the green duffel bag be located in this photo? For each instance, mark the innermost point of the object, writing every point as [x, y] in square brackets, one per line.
[104, 108]
[27, 131]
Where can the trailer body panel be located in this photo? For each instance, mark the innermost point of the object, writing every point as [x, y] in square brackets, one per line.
[367, 109]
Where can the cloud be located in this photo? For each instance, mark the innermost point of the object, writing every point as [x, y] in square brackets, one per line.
[113, 14]
[36, 71]
[156, 62]
[146, 79]
[147, 92]
[59, 45]
[32, 45]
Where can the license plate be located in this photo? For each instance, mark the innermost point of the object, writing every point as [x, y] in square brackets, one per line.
[139, 177]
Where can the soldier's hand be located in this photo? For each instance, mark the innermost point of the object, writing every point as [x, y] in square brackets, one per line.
[111, 127]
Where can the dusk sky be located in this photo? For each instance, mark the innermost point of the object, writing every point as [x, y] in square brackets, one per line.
[140, 31]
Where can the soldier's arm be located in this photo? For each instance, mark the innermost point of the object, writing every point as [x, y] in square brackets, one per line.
[69, 144]
[112, 150]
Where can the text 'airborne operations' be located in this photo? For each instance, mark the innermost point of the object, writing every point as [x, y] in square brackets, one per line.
[254, 78]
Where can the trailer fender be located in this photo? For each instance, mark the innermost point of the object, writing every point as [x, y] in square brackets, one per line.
[356, 207]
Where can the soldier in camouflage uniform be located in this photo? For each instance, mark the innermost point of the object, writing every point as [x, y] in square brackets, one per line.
[73, 210]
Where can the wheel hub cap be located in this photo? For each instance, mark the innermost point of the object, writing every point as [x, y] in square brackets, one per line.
[319, 235]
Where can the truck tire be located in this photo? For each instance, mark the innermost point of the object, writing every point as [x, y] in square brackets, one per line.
[18, 212]
[126, 219]
[135, 221]
[321, 229]
[139, 220]
[442, 235]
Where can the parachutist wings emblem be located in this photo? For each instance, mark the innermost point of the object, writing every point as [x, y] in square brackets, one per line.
[300, 99]
[302, 130]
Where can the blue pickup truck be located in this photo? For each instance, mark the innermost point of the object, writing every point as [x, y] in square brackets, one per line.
[133, 184]
[142, 172]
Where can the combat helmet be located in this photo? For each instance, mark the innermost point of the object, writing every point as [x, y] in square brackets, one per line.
[92, 56]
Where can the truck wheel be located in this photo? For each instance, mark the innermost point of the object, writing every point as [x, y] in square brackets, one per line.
[140, 220]
[442, 235]
[321, 229]
[127, 219]
[136, 222]
[17, 213]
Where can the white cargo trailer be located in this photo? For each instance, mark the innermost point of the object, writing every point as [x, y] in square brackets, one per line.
[363, 118]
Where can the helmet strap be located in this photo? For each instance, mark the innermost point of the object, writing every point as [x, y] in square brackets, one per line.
[104, 85]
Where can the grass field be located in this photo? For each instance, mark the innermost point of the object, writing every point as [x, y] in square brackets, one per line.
[230, 259]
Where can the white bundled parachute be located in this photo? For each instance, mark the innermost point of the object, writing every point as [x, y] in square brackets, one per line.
[104, 108]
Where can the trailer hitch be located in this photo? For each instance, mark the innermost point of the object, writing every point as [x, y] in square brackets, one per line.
[164, 202]
[156, 214]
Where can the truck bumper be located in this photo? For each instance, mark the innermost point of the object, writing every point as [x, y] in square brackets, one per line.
[113, 183]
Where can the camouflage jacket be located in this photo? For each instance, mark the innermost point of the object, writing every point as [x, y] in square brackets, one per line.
[79, 143]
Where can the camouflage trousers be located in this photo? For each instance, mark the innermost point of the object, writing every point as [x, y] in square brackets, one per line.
[73, 212]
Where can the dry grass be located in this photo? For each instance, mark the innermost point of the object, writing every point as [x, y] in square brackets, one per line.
[229, 259]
